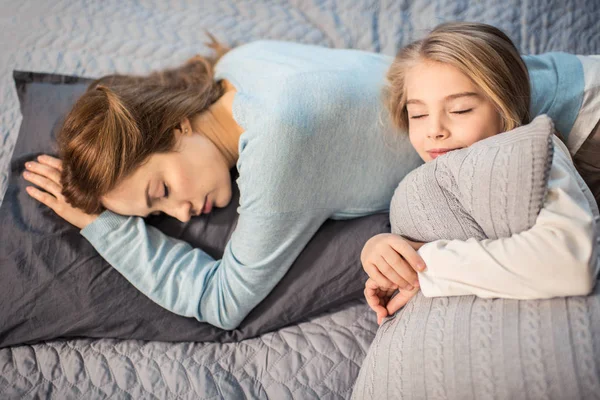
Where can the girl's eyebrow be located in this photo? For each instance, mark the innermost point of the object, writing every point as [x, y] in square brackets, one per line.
[462, 94]
[449, 97]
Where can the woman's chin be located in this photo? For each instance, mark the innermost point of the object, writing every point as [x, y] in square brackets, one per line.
[221, 199]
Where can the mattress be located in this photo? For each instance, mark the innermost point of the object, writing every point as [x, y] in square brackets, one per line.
[317, 358]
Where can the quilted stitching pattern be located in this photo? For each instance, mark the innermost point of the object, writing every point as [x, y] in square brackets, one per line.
[319, 358]
[98, 37]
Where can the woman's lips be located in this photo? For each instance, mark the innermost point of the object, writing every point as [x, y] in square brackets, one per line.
[207, 206]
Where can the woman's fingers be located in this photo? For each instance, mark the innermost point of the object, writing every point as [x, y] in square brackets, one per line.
[44, 170]
[50, 161]
[47, 184]
[42, 197]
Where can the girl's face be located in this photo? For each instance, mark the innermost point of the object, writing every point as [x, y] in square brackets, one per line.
[183, 183]
[446, 110]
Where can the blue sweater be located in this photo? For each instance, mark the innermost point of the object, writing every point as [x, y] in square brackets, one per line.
[317, 144]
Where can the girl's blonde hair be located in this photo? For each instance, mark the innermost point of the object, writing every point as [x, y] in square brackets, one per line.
[481, 52]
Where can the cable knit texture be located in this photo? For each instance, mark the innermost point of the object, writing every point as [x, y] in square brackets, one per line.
[492, 189]
[467, 347]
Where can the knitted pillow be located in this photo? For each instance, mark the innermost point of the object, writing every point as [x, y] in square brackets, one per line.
[466, 347]
[494, 188]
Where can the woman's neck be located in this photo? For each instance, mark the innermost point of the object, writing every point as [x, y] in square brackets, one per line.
[219, 126]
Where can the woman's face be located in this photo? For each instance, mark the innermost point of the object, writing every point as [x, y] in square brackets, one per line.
[183, 183]
[446, 110]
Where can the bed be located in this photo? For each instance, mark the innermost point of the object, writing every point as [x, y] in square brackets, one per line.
[316, 358]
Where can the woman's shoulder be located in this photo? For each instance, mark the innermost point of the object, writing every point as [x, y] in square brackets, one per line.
[279, 60]
[280, 54]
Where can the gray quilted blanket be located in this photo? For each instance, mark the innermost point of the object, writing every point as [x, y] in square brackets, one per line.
[319, 358]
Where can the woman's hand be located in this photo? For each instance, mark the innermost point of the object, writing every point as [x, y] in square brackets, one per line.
[381, 301]
[392, 261]
[46, 174]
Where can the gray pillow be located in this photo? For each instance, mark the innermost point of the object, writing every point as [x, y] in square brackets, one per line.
[494, 188]
[54, 284]
[467, 347]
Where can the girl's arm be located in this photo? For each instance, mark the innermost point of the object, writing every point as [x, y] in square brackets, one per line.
[189, 282]
[556, 257]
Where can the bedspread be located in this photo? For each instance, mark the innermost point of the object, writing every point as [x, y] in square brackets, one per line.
[319, 358]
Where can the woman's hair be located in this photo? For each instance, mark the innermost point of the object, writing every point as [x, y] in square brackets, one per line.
[481, 52]
[121, 120]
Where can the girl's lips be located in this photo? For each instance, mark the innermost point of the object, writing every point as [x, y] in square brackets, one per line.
[438, 152]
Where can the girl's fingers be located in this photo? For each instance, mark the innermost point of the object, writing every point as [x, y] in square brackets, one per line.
[44, 170]
[400, 300]
[379, 277]
[392, 273]
[50, 161]
[401, 267]
[410, 255]
[43, 182]
[42, 197]
[374, 299]
[396, 303]
[371, 294]
[380, 310]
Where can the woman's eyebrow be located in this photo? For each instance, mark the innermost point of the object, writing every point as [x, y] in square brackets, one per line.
[148, 201]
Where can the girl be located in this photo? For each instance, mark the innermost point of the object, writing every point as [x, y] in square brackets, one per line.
[305, 128]
[463, 83]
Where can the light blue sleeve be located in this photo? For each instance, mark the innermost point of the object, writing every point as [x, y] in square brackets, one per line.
[186, 280]
[557, 85]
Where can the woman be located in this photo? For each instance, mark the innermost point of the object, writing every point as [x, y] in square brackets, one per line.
[303, 125]
[463, 83]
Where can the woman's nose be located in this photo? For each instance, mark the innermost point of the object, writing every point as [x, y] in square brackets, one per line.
[182, 212]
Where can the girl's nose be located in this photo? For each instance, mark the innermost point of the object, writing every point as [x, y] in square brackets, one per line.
[437, 128]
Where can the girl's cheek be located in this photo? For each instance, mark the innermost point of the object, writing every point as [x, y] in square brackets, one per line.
[416, 144]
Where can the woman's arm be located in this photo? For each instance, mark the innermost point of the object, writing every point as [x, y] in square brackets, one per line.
[186, 280]
[556, 257]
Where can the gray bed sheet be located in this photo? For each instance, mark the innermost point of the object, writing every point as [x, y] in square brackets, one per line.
[319, 358]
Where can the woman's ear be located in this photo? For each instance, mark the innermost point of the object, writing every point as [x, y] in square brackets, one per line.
[185, 126]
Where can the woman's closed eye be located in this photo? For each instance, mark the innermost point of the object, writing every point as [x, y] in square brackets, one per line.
[418, 116]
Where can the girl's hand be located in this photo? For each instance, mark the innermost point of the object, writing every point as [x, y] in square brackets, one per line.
[392, 261]
[381, 301]
[46, 174]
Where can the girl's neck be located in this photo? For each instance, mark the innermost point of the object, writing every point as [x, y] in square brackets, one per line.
[219, 126]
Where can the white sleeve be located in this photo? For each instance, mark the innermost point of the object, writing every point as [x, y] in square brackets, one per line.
[556, 257]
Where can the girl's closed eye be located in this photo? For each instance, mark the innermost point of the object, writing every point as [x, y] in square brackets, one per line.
[462, 111]
[418, 116]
